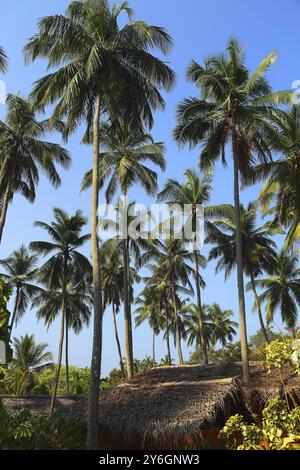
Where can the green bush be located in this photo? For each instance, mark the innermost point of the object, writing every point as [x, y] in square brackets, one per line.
[278, 429]
[28, 431]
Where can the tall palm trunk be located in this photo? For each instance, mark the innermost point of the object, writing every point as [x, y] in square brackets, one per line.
[153, 347]
[61, 340]
[13, 318]
[178, 335]
[127, 312]
[118, 340]
[168, 333]
[240, 276]
[200, 318]
[67, 355]
[5, 202]
[260, 316]
[93, 405]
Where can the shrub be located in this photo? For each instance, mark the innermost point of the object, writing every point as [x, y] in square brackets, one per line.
[278, 429]
[28, 431]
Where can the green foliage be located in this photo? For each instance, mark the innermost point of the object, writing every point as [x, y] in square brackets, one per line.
[278, 354]
[278, 429]
[79, 380]
[230, 353]
[28, 431]
[5, 294]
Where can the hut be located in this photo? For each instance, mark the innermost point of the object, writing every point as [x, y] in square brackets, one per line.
[170, 408]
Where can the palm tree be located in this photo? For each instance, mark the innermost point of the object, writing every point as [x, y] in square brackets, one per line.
[194, 330]
[3, 60]
[24, 151]
[28, 354]
[113, 285]
[65, 233]
[195, 192]
[234, 108]
[172, 271]
[282, 185]
[282, 289]
[221, 325]
[126, 152]
[258, 247]
[77, 310]
[88, 44]
[149, 309]
[20, 271]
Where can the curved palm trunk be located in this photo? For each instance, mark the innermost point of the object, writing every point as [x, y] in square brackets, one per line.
[260, 316]
[168, 333]
[240, 276]
[61, 340]
[67, 355]
[118, 340]
[153, 347]
[178, 335]
[127, 309]
[13, 318]
[201, 323]
[93, 405]
[5, 202]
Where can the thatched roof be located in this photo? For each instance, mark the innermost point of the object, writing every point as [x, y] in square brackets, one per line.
[171, 407]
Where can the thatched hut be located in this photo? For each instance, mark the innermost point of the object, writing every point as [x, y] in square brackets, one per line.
[172, 407]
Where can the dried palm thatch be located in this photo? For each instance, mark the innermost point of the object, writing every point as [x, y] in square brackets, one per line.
[168, 408]
[172, 407]
[263, 387]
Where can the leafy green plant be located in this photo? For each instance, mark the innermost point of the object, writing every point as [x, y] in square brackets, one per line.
[278, 429]
[28, 431]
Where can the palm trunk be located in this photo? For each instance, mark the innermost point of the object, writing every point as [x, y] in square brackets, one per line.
[153, 347]
[118, 341]
[178, 335]
[240, 276]
[201, 323]
[168, 333]
[93, 404]
[61, 340]
[127, 313]
[3, 214]
[260, 316]
[13, 319]
[67, 355]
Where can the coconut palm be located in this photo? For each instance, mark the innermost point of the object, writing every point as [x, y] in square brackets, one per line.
[280, 195]
[24, 151]
[124, 217]
[20, 270]
[3, 60]
[28, 354]
[195, 192]
[113, 284]
[149, 309]
[124, 160]
[66, 237]
[258, 247]
[104, 69]
[233, 108]
[191, 314]
[172, 271]
[282, 289]
[77, 310]
[221, 325]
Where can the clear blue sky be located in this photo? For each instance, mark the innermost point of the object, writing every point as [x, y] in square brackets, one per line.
[199, 28]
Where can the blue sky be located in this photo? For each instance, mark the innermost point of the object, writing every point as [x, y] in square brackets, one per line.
[199, 28]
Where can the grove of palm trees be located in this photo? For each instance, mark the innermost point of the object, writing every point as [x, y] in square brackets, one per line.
[114, 335]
